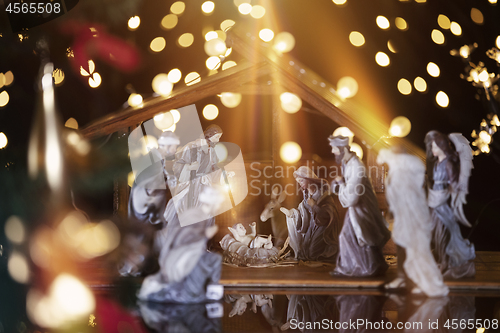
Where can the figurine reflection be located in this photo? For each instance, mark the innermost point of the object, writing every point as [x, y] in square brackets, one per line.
[449, 164]
[313, 226]
[365, 231]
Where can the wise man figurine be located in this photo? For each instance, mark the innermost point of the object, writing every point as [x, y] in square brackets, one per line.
[365, 231]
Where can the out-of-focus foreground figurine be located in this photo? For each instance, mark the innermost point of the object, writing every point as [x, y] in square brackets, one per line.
[449, 164]
[412, 224]
[365, 231]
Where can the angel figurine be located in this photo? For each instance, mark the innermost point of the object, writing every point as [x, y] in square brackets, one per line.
[412, 223]
[449, 165]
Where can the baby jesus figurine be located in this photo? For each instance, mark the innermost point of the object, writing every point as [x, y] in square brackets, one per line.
[240, 233]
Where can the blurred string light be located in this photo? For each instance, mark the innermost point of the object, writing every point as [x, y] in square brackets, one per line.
[176, 114]
[245, 8]
[266, 35]
[357, 149]
[134, 22]
[347, 87]
[211, 35]
[433, 69]
[186, 39]
[344, 131]
[94, 77]
[464, 51]
[400, 127]
[284, 42]
[290, 103]
[3, 140]
[18, 267]
[444, 21]
[134, 100]
[147, 143]
[9, 78]
[258, 12]
[401, 23]
[221, 151]
[339, 2]
[208, 7]
[174, 75]
[192, 78]
[58, 76]
[169, 21]
[158, 44]
[442, 99]
[4, 98]
[390, 46]
[161, 85]
[14, 230]
[178, 7]
[228, 64]
[492, 1]
[221, 34]
[420, 84]
[455, 28]
[476, 16]
[484, 138]
[382, 22]
[210, 111]
[382, 59]
[226, 24]
[356, 38]
[215, 47]
[163, 121]
[437, 37]
[213, 63]
[68, 300]
[404, 86]
[130, 179]
[79, 144]
[290, 152]
[230, 100]
[420, 1]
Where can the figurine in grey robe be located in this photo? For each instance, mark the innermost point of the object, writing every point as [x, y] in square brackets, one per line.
[412, 223]
[313, 226]
[449, 164]
[365, 231]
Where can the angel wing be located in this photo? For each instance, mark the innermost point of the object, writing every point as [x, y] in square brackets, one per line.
[460, 190]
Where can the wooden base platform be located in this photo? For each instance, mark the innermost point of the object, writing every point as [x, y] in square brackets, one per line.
[299, 276]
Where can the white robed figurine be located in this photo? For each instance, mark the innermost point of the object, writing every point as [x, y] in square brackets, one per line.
[412, 224]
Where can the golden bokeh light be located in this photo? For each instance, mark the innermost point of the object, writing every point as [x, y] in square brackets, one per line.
[158, 44]
[9, 78]
[404, 86]
[178, 7]
[210, 112]
[186, 39]
[230, 100]
[455, 28]
[134, 100]
[339, 2]
[58, 76]
[162, 85]
[347, 87]
[390, 46]
[221, 151]
[492, 1]
[174, 75]
[476, 16]
[208, 7]
[192, 78]
[95, 80]
[221, 34]
[131, 179]
[14, 230]
[344, 131]
[71, 123]
[97, 239]
[211, 35]
[258, 12]
[228, 64]
[213, 63]
[266, 35]
[169, 21]
[176, 114]
[3, 140]
[437, 37]
[442, 99]
[226, 24]
[290, 103]
[239, 2]
[4, 98]
[357, 150]
[356, 38]
[383, 22]
[215, 47]
[400, 127]
[134, 22]
[284, 42]
[433, 69]
[382, 59]
[2, 80]
[420, 1]
[444, 21]
[18, 267]
[290, 152]
[420, 84]
[401, 23]
[245, 8]
[148, 142]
